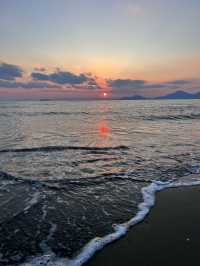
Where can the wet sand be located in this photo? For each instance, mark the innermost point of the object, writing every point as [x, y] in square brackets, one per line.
[169, 235]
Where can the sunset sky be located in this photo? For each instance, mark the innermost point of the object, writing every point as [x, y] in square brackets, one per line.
[84, 48]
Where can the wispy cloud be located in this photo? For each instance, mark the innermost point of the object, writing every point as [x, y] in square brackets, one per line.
[42, 69]
[179, 82]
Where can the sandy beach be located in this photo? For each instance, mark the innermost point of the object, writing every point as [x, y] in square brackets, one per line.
[169, 235]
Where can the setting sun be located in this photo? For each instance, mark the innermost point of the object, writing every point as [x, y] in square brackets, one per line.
[105, 94]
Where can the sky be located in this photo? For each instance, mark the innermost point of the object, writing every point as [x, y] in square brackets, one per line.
[83, 48]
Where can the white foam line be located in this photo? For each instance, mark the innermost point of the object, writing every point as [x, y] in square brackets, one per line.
[33, 201]
[96, 244]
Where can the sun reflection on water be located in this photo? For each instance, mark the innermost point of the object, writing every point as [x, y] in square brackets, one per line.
[103, 128]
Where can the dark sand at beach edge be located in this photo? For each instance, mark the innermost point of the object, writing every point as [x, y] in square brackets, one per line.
[169, 235]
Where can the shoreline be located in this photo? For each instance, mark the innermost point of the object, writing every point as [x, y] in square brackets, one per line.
[122, 244]
[169, 234]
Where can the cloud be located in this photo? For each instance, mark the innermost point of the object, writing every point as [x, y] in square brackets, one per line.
[132, 84]
[126, 83]
[170, 84]
[42, 69]
[155, 86]
[61, 77]
[10, 72]
[83, 83]
[179, 82]
[25, 85]
[58, 79]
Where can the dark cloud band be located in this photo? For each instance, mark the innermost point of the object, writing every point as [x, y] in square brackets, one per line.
[120, 83]
[61, 77]
[25, 85]
[10, 72]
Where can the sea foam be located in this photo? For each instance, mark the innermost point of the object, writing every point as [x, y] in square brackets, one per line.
[96, 244]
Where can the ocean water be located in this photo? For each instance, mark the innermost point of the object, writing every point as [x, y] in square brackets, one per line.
[74, 176]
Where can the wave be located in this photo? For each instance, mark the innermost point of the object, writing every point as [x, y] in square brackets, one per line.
[62, 184]
[172, 117]
[7, 176]
[96, 244]
[192, 116]
[63, 148]
[34, 114]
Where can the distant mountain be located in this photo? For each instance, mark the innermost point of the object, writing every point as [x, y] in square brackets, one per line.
[135, 97]
[172, 96]
[180, 95]
[197, 95]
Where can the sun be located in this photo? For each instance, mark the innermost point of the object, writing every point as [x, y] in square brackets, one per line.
[105, 94]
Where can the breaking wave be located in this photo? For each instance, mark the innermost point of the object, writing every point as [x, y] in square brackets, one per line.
[98, 243]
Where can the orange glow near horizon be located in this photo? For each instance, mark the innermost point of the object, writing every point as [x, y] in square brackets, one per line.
[105, 94]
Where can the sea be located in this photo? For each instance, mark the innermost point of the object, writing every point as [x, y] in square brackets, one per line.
[75, 176]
